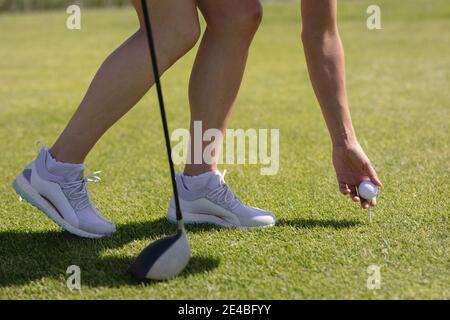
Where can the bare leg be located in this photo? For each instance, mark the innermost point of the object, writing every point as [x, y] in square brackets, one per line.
[126, 76]
[219, 66]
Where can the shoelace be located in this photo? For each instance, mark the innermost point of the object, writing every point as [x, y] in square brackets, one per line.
[77, 190]
[224, 195]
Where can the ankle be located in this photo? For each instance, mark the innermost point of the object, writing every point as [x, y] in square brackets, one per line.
[63, 156]
[198, 182]
[198, 169]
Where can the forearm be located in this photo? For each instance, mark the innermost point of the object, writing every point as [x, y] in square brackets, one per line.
[325, 59]
[326, 66]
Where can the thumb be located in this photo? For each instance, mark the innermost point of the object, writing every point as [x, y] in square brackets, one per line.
[373, 175]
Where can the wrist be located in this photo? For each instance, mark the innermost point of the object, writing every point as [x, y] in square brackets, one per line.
[344, 139]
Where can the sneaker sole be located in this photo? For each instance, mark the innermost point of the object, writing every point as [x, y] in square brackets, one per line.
[27, 192]
[197, 219]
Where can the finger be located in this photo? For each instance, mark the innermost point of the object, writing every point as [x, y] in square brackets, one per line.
[343, 188]
[364, 204]
[354, 194]
[373, 176]
[373, 202]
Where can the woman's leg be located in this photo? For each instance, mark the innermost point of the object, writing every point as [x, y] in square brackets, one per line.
[219, 66]
[57, 187]
[126, 75]
[215, 82]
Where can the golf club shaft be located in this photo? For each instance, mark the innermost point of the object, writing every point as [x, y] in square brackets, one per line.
[151, 45]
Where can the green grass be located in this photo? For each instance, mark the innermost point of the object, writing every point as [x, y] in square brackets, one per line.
[398, 82]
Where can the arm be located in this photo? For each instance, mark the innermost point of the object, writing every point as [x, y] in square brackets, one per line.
[325, 59]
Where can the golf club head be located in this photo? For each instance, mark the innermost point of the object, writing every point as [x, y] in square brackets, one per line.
[163, 259]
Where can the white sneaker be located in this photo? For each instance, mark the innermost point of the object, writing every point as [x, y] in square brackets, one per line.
[217, 204]
[64, 199]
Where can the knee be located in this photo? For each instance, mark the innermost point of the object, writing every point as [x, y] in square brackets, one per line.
[249, 17]
[188, 36]
[184, 39]
[242, 20]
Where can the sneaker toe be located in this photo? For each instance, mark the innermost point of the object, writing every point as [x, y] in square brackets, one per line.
[90, 220]
[259, 218]
[103, 228]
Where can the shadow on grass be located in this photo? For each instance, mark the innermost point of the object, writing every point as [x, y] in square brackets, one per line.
[27, 256]
[315, 223]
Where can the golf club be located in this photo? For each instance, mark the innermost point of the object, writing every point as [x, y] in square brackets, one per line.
[168, 256]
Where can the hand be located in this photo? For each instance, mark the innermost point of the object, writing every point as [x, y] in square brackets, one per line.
[352, 167]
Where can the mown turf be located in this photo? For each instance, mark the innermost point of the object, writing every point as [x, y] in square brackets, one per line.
[398, 80]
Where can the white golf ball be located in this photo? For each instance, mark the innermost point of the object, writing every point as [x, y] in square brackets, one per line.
[367, 190]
